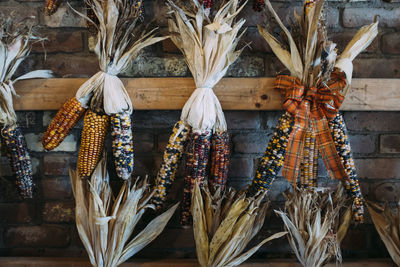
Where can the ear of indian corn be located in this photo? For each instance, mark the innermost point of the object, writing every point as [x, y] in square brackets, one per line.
[274, 155]
[308, 165]
[219, 160]
[61, 125]
[196, 169]
[342, 144]
[172, 157]
[122, 144]
[51, 6]
[20, 161]
[92, 141]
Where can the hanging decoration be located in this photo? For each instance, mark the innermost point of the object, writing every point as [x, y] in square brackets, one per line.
[208, 38]
[103, 99]
[51, 6]
[15, 46]
[106, 222]
[312, 95]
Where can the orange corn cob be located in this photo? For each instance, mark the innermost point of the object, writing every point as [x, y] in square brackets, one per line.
[51, 7]
[66, 118]
[92, 141]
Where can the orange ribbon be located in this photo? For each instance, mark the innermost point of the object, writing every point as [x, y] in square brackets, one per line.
[312, 108]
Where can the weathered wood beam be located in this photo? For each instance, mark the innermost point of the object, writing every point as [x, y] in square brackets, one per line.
[233, 93]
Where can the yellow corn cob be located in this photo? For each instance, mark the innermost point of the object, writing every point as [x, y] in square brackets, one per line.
[66, 118]
[92, 141]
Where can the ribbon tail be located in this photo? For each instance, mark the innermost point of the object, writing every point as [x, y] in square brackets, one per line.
[327, 148]
[294, 152]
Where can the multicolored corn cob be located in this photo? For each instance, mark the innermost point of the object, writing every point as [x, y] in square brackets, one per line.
[66, 118]
[92, 141]
[122, 144]
[309, 162]
[219, 160]
[196, 169]
[51, 6]
[274, 156]
[342, 143]
[172, 157]
[20, 161]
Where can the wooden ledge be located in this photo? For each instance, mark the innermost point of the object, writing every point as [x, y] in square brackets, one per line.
[233, 93]
[79, 262]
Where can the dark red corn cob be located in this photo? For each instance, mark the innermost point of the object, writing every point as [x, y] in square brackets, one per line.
[207, 3]
[258, 5]
[219, 160]
[196, 169]
[20, 161]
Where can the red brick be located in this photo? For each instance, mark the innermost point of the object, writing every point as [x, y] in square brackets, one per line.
[387, 67]
[37, 236]
[169, 46]
[356, 239]
[250, 142]
[391, 43]
[65, 17]
[242, 119]
[357, 17]
[60, 41]
[72, 65]
[56, 188]
[241, 168]
[58, 164]
[145, 166]
[385, 191]
[59, 212]
[344, 37]
[378, 168]
[17, 212]
[372, 121]
[143, 142]
[21, 13]
[362, 143]
[390, 143]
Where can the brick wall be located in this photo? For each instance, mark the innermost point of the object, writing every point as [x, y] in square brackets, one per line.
[45, 226]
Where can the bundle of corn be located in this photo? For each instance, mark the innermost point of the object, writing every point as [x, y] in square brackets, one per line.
[387, 224]
[315, 229]
[105, 223]
[312, 96]
[224, 223]
[119, 41]
[15, 41]
[208, 39]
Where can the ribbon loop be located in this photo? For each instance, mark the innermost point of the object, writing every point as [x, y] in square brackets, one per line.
[312, 108]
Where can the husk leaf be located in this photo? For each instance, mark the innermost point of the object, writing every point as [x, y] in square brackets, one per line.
[105, 224]
[238, 224]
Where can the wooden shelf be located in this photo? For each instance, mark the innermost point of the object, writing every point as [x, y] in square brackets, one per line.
[234, 93]
[79, 262]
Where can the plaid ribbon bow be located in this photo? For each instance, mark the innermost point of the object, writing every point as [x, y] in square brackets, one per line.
[312, 108]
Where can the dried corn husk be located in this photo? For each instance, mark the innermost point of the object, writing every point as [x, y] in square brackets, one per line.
[15, 45]
[387, 223]
[224, 223]
[311, 57]
[208, 43]
[105, 223]
[312, 221]
[119, 40]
